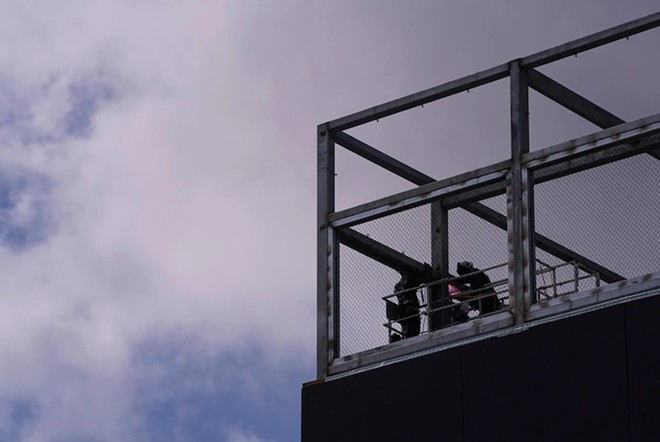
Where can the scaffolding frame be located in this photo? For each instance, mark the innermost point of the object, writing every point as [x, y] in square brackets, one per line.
[514, 177]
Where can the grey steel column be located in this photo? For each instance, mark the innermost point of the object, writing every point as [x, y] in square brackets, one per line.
[520, 200]
[326, 258]
[440, 263]
[529, 237]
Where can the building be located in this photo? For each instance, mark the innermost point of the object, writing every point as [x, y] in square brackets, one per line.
[559, 343]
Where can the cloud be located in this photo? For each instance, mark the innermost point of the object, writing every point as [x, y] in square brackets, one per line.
[25, 208]
[157, 203]
[239, 434]
[130, 184]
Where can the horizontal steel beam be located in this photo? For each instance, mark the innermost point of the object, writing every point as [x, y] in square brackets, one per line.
[576, 103]
[381, 253]
[597, 157]
[383, 160]
[572, 101]
[655, 154]
[458, 184]
[396, 260]
[598, 140]
[489, 326]
[495, 73]
[557, 161]
[488, 181]
[497, 325]
[574, 162]
[435, 189]
[482, 192]
[420, 98]
[592, 41]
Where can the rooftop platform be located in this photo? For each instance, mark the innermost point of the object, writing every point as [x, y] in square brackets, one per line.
[589, 373]
[557, 232]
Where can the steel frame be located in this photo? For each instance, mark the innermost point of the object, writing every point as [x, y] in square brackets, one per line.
[515, 177]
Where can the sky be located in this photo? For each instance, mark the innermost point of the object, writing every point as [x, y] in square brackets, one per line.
[158, 186]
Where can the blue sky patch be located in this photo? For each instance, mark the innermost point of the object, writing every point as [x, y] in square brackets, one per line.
[26, 210]
[21, 415]
[20, 106]
[86, 97]
[200, 397]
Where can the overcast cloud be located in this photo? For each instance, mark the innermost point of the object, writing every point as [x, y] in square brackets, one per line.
[157, 187]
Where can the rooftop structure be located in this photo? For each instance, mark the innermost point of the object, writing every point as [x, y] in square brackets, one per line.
[558, 231]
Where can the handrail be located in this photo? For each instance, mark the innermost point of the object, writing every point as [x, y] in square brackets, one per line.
[499, 288]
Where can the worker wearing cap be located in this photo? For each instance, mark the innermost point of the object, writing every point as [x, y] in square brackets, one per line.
[479, 285]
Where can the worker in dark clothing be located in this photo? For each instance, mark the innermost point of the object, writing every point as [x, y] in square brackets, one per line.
[408, 308]
[478, 283]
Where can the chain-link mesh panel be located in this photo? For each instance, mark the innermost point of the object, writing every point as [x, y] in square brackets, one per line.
[407, 232]
[474, 239]
[362, 284]
[482, 243]
[607, 214]
[364, 281]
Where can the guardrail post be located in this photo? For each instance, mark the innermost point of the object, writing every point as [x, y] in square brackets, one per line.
[439, 294]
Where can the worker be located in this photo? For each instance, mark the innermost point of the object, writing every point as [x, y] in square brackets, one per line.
[479, 285]
[408, 310]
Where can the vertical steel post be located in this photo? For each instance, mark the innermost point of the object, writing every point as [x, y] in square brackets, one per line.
[520, 200]
[440, 262]
[326, 332]
[529, 241]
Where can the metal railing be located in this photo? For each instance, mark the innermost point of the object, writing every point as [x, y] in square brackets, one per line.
[464, 304]
[587, 207]
[550, 290]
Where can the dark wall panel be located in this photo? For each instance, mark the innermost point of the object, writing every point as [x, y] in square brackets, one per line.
[594, 376]
[561, 381]
[402, 402]
[643, 335]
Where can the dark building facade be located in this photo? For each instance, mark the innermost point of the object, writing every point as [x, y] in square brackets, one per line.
[590, 377]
